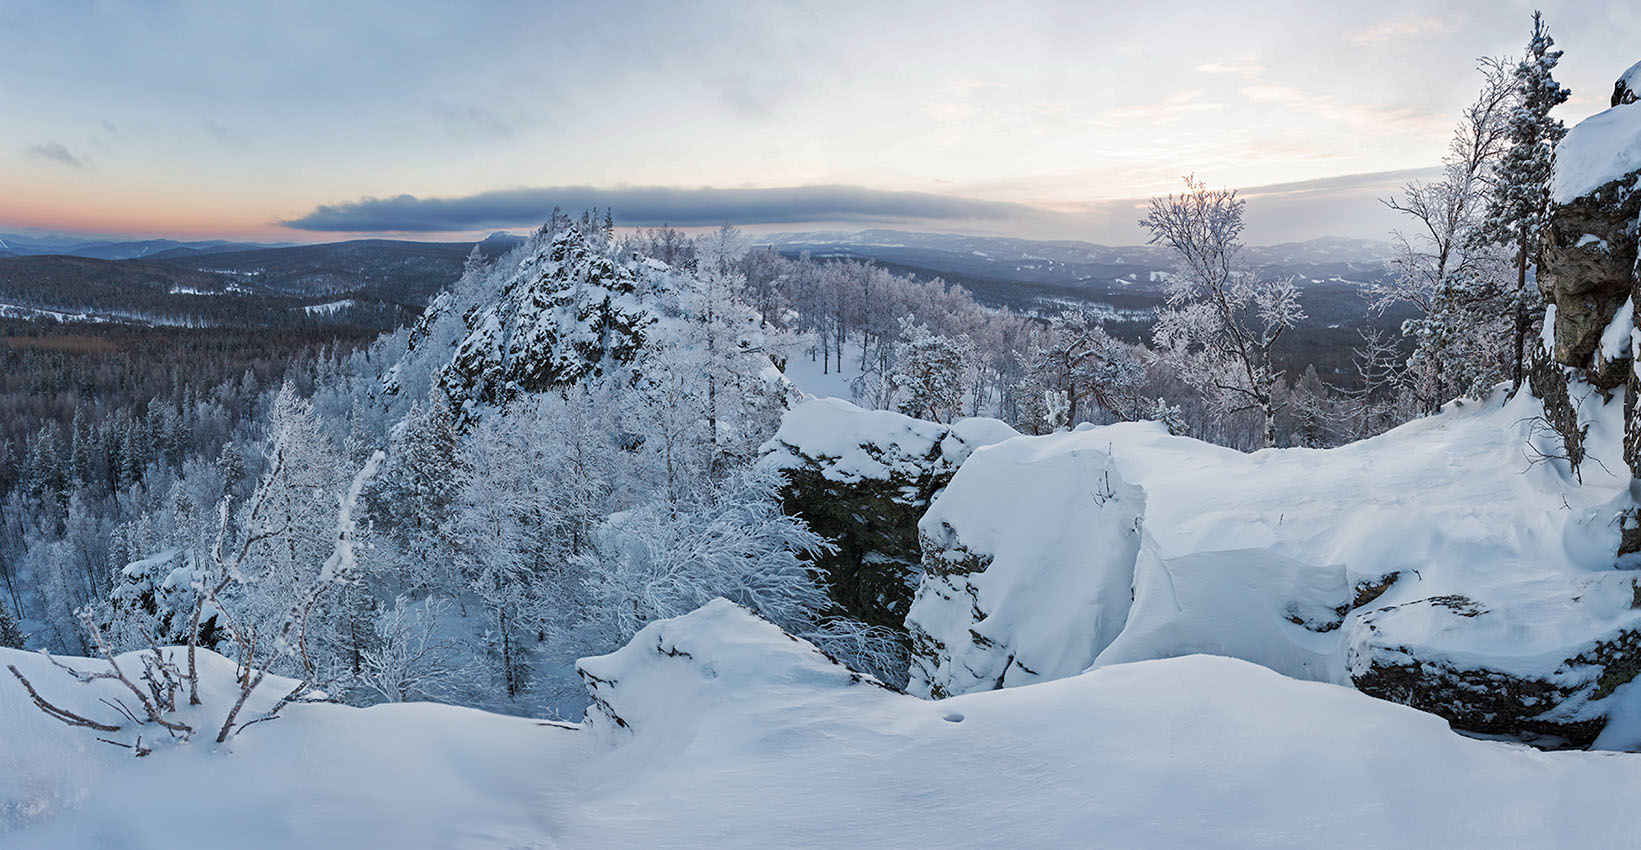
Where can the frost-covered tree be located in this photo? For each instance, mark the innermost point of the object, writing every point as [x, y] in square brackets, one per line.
[1073, 369]
[300, 503]
[409, 659]
[413, 497]
[1520, 201]
[1222, 319]
[931, 372]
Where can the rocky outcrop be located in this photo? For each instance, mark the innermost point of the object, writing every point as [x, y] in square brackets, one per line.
[862, 479]
[1588, 269]
[1628, 88]
[570, 311]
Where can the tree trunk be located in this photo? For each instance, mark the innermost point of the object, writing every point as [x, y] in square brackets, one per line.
[1521, 317]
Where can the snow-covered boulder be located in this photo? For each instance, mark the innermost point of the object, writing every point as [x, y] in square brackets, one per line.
[682, 666]
[1028, 559]
[862, 479]
[156, 595]
[1537, 664]
[1589, 263]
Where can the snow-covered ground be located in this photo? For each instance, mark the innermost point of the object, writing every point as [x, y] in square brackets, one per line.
[741, 737]
[328, 308]
[833, 382]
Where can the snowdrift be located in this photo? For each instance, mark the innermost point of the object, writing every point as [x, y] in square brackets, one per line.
[737, 735]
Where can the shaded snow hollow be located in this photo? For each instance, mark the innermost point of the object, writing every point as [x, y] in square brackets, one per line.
[740, 736]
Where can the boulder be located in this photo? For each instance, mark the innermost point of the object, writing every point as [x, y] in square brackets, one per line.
[862, 479]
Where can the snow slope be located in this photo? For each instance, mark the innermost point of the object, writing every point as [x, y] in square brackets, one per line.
[739, 736]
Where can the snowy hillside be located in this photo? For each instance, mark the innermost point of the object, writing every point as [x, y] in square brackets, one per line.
[737, 736]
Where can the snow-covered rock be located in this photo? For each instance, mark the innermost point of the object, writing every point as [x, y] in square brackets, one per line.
[1028, 562]
[1528, 664]
[1435, 565]
[1589, 262]
[862, 479]
[684, 666]
[1628, 88]
[570, 310]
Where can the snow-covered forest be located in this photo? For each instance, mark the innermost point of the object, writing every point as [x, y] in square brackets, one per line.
[657, 537]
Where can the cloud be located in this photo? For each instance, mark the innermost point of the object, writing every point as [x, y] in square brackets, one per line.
[645, 206]
[1171, 108]
[1242, 65]
[1360, 116]
[56, 152]
[1404, 28]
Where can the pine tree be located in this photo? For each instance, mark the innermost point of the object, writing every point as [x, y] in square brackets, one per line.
[1520, 203]
[11, 635]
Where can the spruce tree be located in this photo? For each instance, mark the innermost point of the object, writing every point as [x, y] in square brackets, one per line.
[11, 635]
[1520, 202]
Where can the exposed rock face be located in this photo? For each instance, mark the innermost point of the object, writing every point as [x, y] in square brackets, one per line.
[862, 479]
[1028, 561]
[1588, 273]
[1628, 88]
[1588, 270]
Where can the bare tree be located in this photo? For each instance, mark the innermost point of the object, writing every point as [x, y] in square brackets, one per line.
[1222, 318]
[1441, 268]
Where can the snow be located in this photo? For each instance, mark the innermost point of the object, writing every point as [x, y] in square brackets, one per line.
[743, 737]
[1601, 149]
[328, 308]
[1615, 339]
[1589, 239]
[835, 382]
[1239, 603]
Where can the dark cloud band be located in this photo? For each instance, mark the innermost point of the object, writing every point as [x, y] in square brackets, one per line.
[652, 206]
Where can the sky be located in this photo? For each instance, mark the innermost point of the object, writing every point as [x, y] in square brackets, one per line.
[318, 121]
